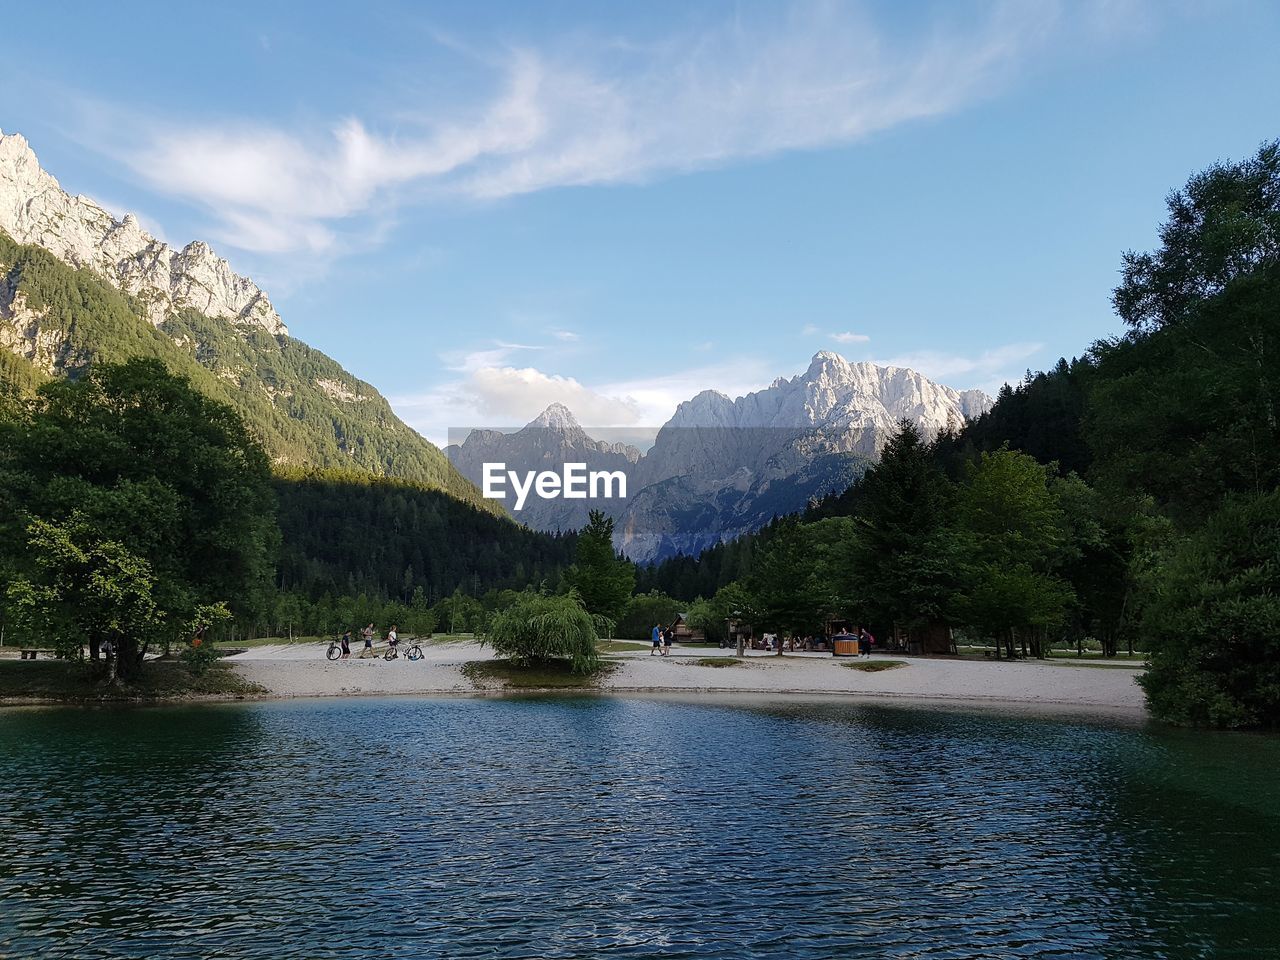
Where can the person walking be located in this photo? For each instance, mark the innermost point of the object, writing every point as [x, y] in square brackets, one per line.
[393, 639]
[367, 634]
[656, 636]
[865, 641]
[668, 635]
[346, 644]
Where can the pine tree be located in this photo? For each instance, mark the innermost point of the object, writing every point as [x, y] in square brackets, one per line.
[602, 578]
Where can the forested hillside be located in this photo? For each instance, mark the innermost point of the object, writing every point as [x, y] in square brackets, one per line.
[346, 534]
[306, 410]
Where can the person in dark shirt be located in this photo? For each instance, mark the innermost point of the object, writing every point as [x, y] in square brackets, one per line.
[865, 640]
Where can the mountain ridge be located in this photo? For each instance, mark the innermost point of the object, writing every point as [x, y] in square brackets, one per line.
[78, 285]
[77, 230]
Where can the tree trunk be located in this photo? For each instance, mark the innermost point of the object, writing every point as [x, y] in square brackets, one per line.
[128, 661]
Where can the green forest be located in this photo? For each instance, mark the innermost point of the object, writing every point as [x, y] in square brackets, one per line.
[1128, 498]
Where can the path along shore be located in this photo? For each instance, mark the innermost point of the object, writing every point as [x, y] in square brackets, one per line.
[301, 670]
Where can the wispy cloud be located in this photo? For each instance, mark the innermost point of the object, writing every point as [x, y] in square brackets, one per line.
[986, 370]
[496, 354]
[850, 337]
[793, 78]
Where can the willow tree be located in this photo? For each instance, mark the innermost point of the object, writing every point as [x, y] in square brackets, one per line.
[538, 628]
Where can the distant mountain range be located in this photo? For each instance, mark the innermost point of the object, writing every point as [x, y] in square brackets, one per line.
[722, 467]
[76, 285]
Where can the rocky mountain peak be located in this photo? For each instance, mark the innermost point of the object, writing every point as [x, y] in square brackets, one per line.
[556, 417]
[826, 362]
[35, 209]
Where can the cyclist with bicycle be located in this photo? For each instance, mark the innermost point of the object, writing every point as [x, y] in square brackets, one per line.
[393, 639]
[346, 645]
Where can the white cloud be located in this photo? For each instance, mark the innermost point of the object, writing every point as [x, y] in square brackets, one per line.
[567, 336]
[657, 396]
[988, 369]
[800, 77]
[850, 337]
[508, 396]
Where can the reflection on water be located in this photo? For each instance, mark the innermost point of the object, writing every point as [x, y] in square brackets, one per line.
[575, 827]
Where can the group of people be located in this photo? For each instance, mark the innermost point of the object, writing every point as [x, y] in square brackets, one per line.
[771, 642]
[367, 634]
[662, 640]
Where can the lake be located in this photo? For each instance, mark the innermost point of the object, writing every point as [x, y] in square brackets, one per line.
[575, 827]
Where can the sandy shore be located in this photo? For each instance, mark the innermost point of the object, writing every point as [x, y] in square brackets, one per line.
[301, 670]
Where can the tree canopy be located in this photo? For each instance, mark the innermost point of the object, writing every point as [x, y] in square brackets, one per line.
[133, 505]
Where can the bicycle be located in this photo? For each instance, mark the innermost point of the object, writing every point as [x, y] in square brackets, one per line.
[335, 649]
[412, 650]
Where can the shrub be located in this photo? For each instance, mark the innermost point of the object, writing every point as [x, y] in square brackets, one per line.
[539, 628]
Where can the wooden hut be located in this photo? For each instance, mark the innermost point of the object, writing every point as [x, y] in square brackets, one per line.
[685, 633]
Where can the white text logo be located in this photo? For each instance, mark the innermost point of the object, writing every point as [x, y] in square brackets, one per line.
[574, 482]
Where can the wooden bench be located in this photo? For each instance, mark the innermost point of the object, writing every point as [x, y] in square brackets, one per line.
[29, 653]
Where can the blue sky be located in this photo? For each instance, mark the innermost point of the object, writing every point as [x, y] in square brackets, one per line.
[481, 208]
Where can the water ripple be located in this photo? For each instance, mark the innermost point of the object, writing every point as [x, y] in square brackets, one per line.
[558, 828]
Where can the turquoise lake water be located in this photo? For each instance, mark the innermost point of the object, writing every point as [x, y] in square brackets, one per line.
[580, 827]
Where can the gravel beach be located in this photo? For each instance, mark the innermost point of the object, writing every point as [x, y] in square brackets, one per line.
[301, 670]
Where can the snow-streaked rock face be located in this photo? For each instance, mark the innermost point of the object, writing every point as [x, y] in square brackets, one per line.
[833, 407]
[35, 209]
[836, 393]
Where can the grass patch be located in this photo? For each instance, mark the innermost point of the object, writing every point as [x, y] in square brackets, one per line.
[621, 646]
[718, 662]
[78, 683]
[549, 675]
[1124, 664]
[876, 666]
[1059, 658]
